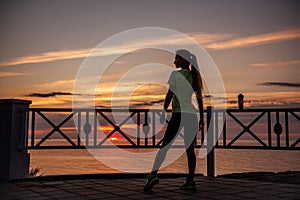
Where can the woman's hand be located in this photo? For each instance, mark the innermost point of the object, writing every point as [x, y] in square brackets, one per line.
[163, 117]
[201, 125]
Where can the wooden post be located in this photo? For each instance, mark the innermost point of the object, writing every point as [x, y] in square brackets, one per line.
[13, 130]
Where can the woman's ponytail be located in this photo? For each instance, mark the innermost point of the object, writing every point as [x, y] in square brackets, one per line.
[197, 80]
[192, 60]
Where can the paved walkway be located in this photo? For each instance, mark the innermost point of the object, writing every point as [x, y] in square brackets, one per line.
[132, 188]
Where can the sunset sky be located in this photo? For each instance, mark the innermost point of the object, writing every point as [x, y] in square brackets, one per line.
[255, 45]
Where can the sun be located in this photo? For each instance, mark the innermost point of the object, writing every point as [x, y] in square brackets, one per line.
[113, 139]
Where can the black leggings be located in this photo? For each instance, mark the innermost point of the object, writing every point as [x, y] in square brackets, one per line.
[178, 121]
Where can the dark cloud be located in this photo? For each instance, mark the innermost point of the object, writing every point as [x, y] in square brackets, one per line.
[232, 101]
[147, 103]
[283, 84]
[208, 96]
[51, 94]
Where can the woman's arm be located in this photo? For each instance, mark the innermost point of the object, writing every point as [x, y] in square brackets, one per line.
[201, 112]
[167, 102]
[168, 99]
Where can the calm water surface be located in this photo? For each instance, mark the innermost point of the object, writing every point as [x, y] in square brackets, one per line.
[58, 162]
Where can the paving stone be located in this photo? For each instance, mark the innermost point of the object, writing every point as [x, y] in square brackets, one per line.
[289, 196]
[270, 198]
[269, 192]
[168, 188]
[289, 189]
[249, 194]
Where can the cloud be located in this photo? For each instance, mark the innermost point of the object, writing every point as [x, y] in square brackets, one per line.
[208, 96]
[10, 74]
[63, 85]
[214, 41]
[48, 57]
[279, 36]
[51, 94]
[131, 46]
[283, 84]
[206, 38]
[147, 103]
[266, 100]
[273, 64]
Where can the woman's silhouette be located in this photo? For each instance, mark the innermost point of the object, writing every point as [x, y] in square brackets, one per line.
[182, 85]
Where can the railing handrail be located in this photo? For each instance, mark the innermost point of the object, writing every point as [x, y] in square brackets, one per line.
[159, 110]
[259, 109]
[96, 109]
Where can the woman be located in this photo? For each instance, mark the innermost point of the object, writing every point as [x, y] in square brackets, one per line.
[182, 85]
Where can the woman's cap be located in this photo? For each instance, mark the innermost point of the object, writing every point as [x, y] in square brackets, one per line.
[185, 54]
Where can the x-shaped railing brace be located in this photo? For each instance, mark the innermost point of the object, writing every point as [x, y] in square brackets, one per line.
[246, 129]
[55, 128]
[117, 128]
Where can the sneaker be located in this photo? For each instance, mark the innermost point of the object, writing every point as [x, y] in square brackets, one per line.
[189, 185]
[151, 181]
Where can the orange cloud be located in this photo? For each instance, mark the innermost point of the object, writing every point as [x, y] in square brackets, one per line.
[273, 64]
[50, 102]
[47, 57]
[210, 41]
[9, 74]
[205, 38]
[62, 85]
[202, 38]
[257, 40]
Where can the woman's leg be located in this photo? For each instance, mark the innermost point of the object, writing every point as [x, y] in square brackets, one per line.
[170, 135]
[191, 162]
[190, 132]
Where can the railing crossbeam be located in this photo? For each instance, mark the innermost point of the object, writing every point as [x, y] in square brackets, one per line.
[117, 128]
[55, 129]
[247, 128]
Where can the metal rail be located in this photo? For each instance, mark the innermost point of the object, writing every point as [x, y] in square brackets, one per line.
[280, 128]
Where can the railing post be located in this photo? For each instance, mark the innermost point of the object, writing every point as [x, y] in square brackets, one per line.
[14, 158]
[241, 101]
[210, 142]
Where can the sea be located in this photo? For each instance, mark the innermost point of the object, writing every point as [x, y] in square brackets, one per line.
[227, 161]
